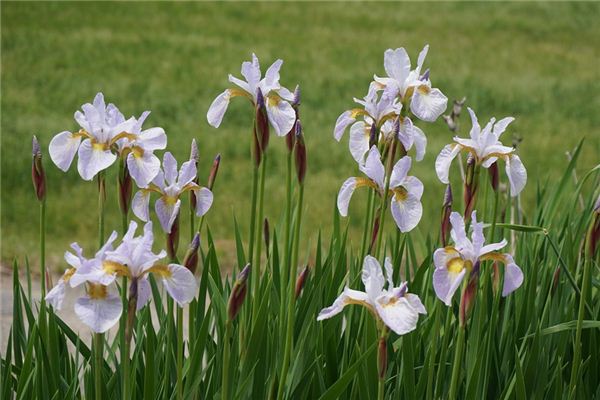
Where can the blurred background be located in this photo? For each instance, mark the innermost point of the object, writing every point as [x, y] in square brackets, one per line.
[536, 62]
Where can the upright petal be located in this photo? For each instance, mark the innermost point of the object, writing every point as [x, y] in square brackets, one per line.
[93, 159]
[428, 104]
[396, 63]
[398, 315]
[170, 168]
[217, 109]
[187, 173]
[373, 167]
[204, 200]
[141, 205]
[281, 115]
[166, 211]
[477, 238]
[444, 159]
[143, 167]
[414, 186]
[446, 282]
[359, 141]
[421, 59]
[242, 84]
[513, 276]
[400, 171]
[100, 314]
[180, 284]
[517, 175]
[344, 120]
[271, 80]
[475, 128]
[389, 272]
[458, 232]
[62, 149]
[372, 277]
[345, 194]
[488, 248]
[407, 211]
[251, 71]
[153, 139]
[501, 125]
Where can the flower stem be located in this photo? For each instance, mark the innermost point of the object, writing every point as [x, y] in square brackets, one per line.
[288, 230]
[368, 223]
[292, 298]
[226, 351]
[255, 276]
[43, 248]
[253, 213]
[460, 339]
[384, 195]
[99, 337]
[124, 326]
[179, 353]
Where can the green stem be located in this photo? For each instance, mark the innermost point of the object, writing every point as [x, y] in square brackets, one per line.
[292, 298]
[380, 362]
[225, 373]
[288, 228]
[99, 337]
[581, 313]
[179, 353]
[123, 326]
[255, 276]
[168, 348]
[43, 248]
[460, 339]
[384, 195]
[368, 223]
[253, 213]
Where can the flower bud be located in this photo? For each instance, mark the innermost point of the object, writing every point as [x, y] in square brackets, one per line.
[38, 174]
[382, 357]
[494, 178]
[262, 121]
[301, 280]
[595, 234]
[373, 136]
[446, 211]
[296, 101]
[467, 300]
[291, 136]
[190, 261]
[238, 293]
[471, 186]
[195, 158]
[300, 153]
[125, 187]
[495, 277]
[131, 309]
[375, 229]
[266, 233]
[173, 239]
[213, 172]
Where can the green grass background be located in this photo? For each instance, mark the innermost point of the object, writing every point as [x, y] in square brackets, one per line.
[537, 62]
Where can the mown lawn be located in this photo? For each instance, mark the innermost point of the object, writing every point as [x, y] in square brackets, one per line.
[537, 62]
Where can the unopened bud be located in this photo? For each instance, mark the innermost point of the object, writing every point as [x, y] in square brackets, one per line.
[301, 281]
[190, 261]
[125, 187]
[238, 293]
[471, 185]
[213, 172]
[467, 300]
[373, 136]
[131, 309]
[495, 277]
[262, 121]
[266, 233]
[446, 211]
[194, 152]
[173, 239]
[382, 357]
[494, 178]
[38, 175]
[296, 101]
[300, 153]
[595, 234]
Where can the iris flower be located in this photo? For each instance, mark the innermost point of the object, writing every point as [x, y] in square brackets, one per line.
[394, 306]
[405, 191]
[106, 135]
[135, 259]
[412, 87]
[453, 263]
[279, 111]
[485, 147]
[100, 308]
[170, 185]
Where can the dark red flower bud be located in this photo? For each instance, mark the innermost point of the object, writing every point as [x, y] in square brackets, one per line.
[301, 281]
[494, 178]
[495, 277]
[194, 156]
[212, 176]
[262, 121]
[467, 300]
[382, 357]
[373, 136]
[173, 239]
[300, 153]
[595, 234]
[375, 229]
[471, 186]
[555, 280]
[38, 175]
[266, 233]
[125, 187]
[446, 211]
[190, 261]
[238, 293]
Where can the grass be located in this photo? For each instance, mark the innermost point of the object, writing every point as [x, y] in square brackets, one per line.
[536, 62]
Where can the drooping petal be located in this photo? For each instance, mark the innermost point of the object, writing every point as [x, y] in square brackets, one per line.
[167, 211]
[444, 159]
[187, 173]
[242, 84]
[342, 300]
[281, 115]
[344, 196]
[501, 125]
[93, 159]
[517, 175]
[141, 205]
[100, 314]
[153, 139]
[427, 103]
[170, 168]
[442, 256]
[414, 186]
[400, 171]
[420, 142]
[513, 276]
[407, 211]
[398, 315]
[180, 284]
[56, 296]
[488, 248]
[373, 167]
[344, 120]
[62, 149]
[396, 64]
[359, 141]
[143, 167]
[144, 293]
[217, 109]
[416, 303]
[446, 282]
[372, 277]
[204, 200]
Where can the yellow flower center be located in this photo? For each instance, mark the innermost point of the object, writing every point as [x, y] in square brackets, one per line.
[400, 194]
[457, 264]
[137, 151]
[96, 291]
[111, 267]
[365, 182]
[99, 146]
[170, 200]
[161, 270]
[68, 274]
